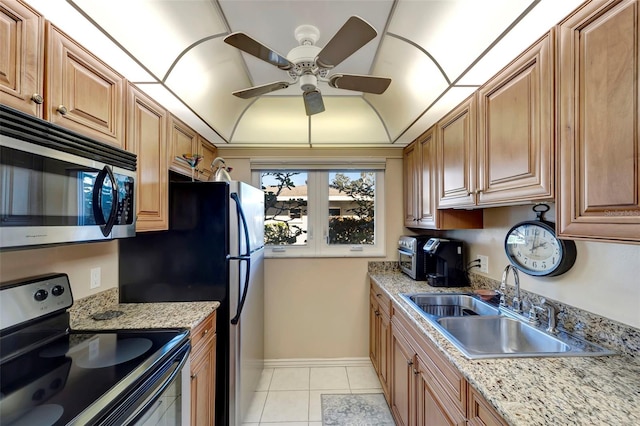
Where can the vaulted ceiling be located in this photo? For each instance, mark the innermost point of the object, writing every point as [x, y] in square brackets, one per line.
[437, 52]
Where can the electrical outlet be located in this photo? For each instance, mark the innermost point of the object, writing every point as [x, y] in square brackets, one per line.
[95, 277]
[484, 263]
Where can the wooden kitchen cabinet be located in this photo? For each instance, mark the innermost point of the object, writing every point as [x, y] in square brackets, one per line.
[22, 63]
[436, 390]
[599, 137]
[203, 372]
[425, 388]
[456, 161]
[480, 413]
[82, 93]
[380, 335]
[403, 387]
[516, 129]
[182, 140]
[410, 162]
[146, 137]
[420, 174]
[209, 153]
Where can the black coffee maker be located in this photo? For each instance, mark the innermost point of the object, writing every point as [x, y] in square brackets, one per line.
[444, 263]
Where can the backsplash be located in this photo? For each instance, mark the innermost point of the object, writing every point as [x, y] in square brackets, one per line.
[603, 331]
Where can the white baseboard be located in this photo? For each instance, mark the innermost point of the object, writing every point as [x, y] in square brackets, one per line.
[317, 362]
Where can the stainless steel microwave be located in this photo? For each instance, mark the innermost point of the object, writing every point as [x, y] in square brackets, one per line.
[56, 187]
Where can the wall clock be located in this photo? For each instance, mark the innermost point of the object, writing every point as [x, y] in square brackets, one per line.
[533, 247]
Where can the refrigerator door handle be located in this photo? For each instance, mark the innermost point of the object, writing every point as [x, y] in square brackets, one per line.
[246, 257]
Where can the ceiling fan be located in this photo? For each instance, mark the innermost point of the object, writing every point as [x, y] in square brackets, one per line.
[308, 63]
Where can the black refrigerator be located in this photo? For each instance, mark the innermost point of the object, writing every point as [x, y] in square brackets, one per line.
[213, 250]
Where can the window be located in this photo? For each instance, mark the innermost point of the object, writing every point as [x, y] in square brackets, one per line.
[323, 213]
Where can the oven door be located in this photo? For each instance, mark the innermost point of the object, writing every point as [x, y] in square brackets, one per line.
[48, 196]
[163, 399]
[408, 262]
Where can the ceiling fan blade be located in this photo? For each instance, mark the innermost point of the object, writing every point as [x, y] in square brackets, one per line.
[360, 83]
[260, 90]
[253, 47]
[313, 102]
[354, 34]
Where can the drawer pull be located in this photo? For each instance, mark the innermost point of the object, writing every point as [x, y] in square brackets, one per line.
[37, 98]
[204, 333]
[63, 110]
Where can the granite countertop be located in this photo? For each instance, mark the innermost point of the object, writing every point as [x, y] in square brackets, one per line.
[537, 391]
[185, 315]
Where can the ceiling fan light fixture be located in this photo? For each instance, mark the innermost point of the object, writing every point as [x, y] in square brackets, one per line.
[308, 82]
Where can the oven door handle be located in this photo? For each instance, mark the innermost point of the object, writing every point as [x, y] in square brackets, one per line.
[151, 399]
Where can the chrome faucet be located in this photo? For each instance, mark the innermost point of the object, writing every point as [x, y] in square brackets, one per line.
[516, 304]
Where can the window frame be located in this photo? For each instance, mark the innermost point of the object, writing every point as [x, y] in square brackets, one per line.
[318, 217]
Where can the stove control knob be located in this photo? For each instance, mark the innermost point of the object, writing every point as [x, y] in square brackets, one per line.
[57, 290]
[41, 295]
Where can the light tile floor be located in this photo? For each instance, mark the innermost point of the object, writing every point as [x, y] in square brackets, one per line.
[290, 396]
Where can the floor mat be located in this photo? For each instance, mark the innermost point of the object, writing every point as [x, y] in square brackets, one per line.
[368, 409]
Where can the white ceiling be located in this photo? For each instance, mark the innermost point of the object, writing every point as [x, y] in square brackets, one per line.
[437, 53]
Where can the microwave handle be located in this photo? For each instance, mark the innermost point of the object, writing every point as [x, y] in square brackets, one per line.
[105, 225]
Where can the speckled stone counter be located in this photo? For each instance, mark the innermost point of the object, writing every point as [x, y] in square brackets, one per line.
[536, 391]
[137, 315]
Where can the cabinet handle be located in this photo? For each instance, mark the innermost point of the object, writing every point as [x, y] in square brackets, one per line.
[377, 313]
[416, 372]
[63, 110]
[478, 191]
[37, 98]
[194, 376]
[204, 333]
[409, 362]
[378, 294]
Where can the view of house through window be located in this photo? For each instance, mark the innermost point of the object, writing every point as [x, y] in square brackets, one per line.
[352, 195]
[338, 205]
[285, 207]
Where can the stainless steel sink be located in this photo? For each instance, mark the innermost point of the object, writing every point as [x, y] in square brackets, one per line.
[439, 305]
[481, 330]
[491, 335]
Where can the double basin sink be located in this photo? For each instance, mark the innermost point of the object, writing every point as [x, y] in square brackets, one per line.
[481, 330]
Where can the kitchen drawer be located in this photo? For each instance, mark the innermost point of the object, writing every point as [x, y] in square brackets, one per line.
[384, 301]
[204, 329]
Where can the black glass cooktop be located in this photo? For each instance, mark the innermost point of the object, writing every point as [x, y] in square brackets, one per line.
[53, 383]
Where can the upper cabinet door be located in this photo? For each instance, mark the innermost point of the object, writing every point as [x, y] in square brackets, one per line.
[182, 140]
[457, 156]
[83, 94]
[410, 165]
[599, 145]
[147, 138]
[209, 153]
[427, 174]
[516, 129]
[22, 58]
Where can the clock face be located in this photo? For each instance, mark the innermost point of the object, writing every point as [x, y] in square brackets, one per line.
[533, 248]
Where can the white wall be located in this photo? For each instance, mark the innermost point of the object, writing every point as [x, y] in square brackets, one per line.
[75, 260]
[605, 279]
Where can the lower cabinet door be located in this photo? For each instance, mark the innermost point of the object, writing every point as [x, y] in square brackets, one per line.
[402, 386]
[203, 385]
